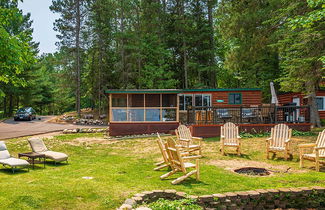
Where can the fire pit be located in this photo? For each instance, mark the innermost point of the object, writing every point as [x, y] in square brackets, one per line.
[252, 171]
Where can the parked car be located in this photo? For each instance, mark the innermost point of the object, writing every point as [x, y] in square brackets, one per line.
[26, 113]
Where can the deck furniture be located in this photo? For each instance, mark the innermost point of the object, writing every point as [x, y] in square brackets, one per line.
[38, 146]
[188, 142]
[178, 164]
[223, 114]
[7, 160]
[33, 158]
[318, 151]
[166, 161]
[229, 137]
[280, 141]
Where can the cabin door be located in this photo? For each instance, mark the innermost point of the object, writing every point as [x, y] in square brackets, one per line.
[297, 102]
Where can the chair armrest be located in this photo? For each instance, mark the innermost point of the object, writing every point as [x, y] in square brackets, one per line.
[318, 148]
[306, 145]
[184, 140]
[268, 139]
[197, 138]
[287, 140]
[239, 137]
[222, 136]
[192, 157]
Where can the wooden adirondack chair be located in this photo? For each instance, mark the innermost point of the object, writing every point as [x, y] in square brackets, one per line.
[187, 141]
[229, 137]
[178, 163]
[280, 141]
[166, 161]
[318, 151]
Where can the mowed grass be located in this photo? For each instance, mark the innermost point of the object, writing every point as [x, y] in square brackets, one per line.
[125, 167]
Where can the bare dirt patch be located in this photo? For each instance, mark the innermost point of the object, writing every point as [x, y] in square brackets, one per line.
[90, 141]
[232, 165]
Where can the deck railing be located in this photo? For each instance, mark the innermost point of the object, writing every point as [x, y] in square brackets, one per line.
[252, 115]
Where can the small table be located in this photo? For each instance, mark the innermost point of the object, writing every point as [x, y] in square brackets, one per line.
[32, 156]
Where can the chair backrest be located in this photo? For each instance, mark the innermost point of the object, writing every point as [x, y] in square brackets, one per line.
[321, 142]
[174, 154]
[37, 145]
[222, 112]
[4, 154]
[230, 132]
[183, 132]
[162, 147]
[279, 134]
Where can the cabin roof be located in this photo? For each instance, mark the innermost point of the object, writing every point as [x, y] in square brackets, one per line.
[116, 91]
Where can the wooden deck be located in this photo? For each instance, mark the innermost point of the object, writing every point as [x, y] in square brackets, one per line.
[214, 130]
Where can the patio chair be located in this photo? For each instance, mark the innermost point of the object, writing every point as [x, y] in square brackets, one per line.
[229, 137]
[166, 161]
[7, 160]
[280, 141]
[318, 151]
[38, 146]
[178, 163]
[188, 142]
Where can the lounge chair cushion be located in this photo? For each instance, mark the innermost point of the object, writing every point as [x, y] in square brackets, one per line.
[13, 162]
[56, 156]
[37, 145]
[4, 154]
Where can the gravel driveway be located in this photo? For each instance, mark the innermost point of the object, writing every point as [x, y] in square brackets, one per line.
[12, 129]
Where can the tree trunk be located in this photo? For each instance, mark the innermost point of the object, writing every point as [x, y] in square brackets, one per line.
[78, 19]
[10, 105]
[5, 106]
[124, 72]
[185, 66]
[314, 114]
[211, 60]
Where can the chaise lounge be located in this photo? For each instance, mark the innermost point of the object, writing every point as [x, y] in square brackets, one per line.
[38, 146]
[7, 160]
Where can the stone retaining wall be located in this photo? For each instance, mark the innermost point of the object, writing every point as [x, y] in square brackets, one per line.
[302, 197]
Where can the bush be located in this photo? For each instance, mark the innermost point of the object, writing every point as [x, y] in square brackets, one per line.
[322, 121]
[183, 204]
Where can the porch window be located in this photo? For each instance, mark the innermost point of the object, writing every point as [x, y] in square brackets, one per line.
[320, 103]
[185, 101]
[234, 98]
[143, 108]
[202, 100]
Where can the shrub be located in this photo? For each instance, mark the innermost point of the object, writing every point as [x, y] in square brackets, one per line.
[183, 204]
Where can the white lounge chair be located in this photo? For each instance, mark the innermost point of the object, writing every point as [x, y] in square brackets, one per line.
[7, 160]
[38, 146]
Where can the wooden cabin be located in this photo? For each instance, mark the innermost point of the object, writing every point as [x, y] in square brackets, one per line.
[138, 111]
[300, 100]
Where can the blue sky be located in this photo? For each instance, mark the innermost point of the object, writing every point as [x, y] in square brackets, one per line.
[43, 20]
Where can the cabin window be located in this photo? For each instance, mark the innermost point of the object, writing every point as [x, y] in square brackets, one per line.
[202, 100]
[119, 100]
[185, 101]
[143, 108]
[234, 98]
[320, 103]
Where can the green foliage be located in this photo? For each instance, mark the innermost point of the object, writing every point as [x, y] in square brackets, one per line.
[16, 51]
[268, 134]
[184, 204]
[250, 135]
[301, 133]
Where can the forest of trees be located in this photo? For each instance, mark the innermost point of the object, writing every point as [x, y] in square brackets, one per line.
[116, 44]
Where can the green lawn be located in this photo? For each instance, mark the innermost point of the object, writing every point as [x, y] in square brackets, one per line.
[124, 168]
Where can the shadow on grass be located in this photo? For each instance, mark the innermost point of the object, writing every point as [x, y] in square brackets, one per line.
[212, 139]
[16, 171]
[244, 156]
